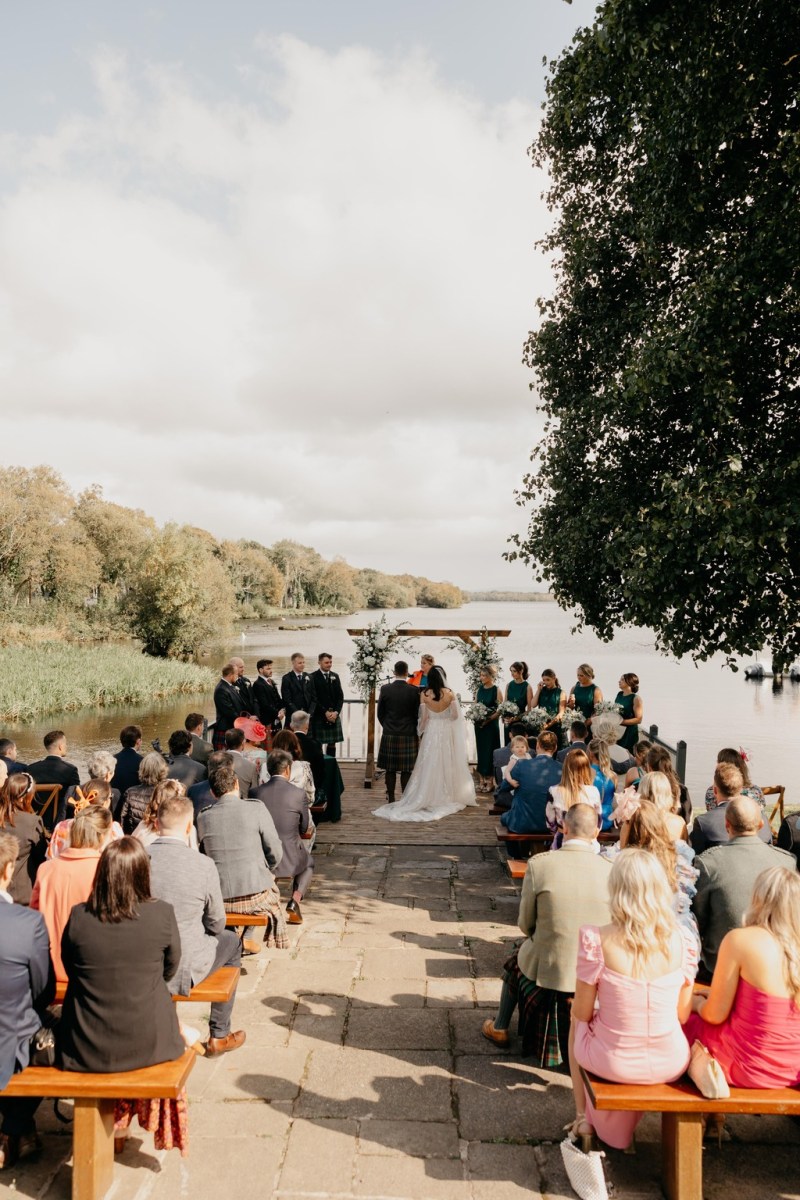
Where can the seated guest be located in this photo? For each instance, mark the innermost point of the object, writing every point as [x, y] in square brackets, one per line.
[190, 883]
[301, 770]
[195, 725]
[312, 750]
[727, 876]
[637, 772]
[576, 787]
[18, 819]
[750, 1020]
[604, 779]
[709, 827]
[27, 988]
[183, 767]
[635, 975]
[253, 749]
[655, 789]
[738, 760]
[93, 794]
[8, 755]
[658, 759]
[152, 769]
[578, 733]
[200, 793]
[533, 778]
[147, 830]
[119, 949]
[288, 807]
[128, 759]
[518, 744]
[608, 727]
[55, 769]
[246, 771]
[68, 879]
[648, 830]
[500, 760]
[240, 837]
[102, 767]
[560, 893]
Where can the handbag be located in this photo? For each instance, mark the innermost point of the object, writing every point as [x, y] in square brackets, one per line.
[584, 1171]
[707, 1075]
[43, 1048]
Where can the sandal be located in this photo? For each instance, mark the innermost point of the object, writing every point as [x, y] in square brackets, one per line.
[581, 1131]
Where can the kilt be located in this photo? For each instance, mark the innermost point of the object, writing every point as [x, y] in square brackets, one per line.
[268, 902]
[218, 741]
[325, 732]
[543, 1017]
[398, 751]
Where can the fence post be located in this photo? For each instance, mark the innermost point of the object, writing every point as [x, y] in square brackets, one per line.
[653, 731]
[680, 761]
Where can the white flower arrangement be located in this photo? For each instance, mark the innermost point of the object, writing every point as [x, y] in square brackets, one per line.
[607, 706]
[476, 658]
[568, 716]
[476, 712]
[508, 709]
[372, 649]
[536, 719]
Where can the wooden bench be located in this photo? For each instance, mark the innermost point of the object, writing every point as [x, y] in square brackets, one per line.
[95, 1097]
[682, 1109]
[215, 989]
[517, 867]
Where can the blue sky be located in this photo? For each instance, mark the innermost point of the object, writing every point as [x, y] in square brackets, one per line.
[268, 267]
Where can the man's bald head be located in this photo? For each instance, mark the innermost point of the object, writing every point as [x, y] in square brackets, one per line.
[580, 821]
[743, 817]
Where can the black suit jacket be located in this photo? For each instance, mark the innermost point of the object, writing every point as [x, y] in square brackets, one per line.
[229, 705]
[315, 756]
[186, 770]
[329, 694]
[267, 701]
[245, 689]
[201, 797]
[27, 983]
[55, 769]
[126, 774]
[298, 695]
[398, 708]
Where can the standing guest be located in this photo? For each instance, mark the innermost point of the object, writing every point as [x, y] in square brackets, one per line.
[67, 880]
[737, 759]
[267, 700]
[533, 778]
[636, 773]
[560, 893]
[584, 696]
[55, 769]
[27, 988]
[604, 779]
[658, 759]
[420, 678]
[190, 883]
[95, 794]
[18, 820]
[578, 733]
[398, 713]
[709, 827]
[119, 948]
[241, 838]
[247, 772]
[200, 793]
[487, 732]
[297, 690]
[128, 759]
[519, 692]
[326, 724]
[727, 876]
[576, 787]
[550, 696]
[300, 774]
[227, 703]
[631, 704]
[147, 830]
[195, 725]
[152, 770]
[183, 767]
[253, 746]
[8, 755]
[312, 751]
[243, 685]
[287, 806]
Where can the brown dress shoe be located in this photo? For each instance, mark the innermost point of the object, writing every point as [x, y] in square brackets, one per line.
[249, 947]
[498, 1036]
[222, 1045]
[293, 914]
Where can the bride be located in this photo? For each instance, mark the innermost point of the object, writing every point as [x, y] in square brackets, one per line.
[441, 782]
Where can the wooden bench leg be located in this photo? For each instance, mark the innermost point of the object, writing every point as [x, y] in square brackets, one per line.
[682, 1155]
[92, 1148]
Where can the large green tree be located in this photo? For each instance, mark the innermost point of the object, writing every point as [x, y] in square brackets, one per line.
[665, 491]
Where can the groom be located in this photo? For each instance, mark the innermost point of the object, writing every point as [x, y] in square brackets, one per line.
[398, 709]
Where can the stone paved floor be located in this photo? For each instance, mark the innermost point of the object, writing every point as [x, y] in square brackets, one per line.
[364, 1074]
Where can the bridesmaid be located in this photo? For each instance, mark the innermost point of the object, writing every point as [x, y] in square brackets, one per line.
[584, 696]
[519, 692]
[550, 696]
[631, 705]
[487, 733]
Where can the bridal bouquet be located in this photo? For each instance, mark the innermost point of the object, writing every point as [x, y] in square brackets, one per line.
[508, 709]
[568, 716]
[476, 712]
[607, 706]
[373, 647]
[536, 719]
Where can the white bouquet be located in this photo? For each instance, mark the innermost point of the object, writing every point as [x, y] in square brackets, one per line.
[476, 712]
[607, 706]
[508, 709]
[536, 719]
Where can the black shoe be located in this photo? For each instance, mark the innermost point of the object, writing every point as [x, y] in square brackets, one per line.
[293, 914]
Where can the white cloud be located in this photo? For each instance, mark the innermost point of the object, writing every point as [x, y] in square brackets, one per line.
[296, 316]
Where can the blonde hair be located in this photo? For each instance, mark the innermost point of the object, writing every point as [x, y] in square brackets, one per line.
[775, 905]
[648, 830]
[656, 788]
[577, 774]
[166, 789]
[599, 749]
[585, 669]
[489, 669]
[90, 828]
[640, 900]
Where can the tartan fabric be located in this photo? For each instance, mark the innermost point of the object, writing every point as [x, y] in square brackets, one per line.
[268, 902]
[324, 731]
[218, 741]
[398, 751]
[543, 1017]
[167, 1119]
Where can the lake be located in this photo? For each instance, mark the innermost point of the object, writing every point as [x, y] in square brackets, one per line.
[707, 705]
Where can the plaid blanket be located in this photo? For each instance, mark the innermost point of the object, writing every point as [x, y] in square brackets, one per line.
[398, 751]
[543, 1017]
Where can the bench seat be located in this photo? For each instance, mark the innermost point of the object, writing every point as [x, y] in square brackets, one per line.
[216, 989]
[682, 1109]
[95, 1097]
[517, 867]
[243, 920]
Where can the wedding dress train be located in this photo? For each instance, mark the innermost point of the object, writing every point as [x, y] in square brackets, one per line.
[441, 782]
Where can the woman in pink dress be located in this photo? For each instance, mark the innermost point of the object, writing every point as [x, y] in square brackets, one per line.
[639, 972]
[750, 1020]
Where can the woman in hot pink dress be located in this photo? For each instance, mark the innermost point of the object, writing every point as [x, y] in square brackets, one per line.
[750, 1020]
[639, 970]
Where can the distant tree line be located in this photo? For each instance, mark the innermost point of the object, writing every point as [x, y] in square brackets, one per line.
[176, 588]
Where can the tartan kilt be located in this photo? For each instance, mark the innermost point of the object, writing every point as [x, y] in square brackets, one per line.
[269, 902]
[398, 751]
[543, 1017]
[218, 740]
[324, 731]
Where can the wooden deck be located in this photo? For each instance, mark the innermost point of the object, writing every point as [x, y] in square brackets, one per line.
[358, 827]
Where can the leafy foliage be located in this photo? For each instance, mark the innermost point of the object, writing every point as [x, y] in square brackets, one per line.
[666, 489]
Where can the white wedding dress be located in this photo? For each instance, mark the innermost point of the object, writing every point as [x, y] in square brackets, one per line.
[441, 782]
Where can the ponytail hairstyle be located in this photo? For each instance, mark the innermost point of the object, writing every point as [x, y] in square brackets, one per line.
[658, 759]
[549, 673]
[599, 750]
[522, 667]
[96, 791]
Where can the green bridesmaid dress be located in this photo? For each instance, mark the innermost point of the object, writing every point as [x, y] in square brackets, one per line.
[487, 737]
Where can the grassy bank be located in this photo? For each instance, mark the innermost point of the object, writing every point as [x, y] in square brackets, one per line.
[54, 678]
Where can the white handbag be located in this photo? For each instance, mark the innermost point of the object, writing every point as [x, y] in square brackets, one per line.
[585, 1171]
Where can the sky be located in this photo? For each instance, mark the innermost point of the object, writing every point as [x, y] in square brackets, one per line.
[268, 267]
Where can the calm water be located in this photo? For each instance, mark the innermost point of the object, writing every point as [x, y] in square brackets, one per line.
[707, 705]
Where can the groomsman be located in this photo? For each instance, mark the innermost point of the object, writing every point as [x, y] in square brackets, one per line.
[266, 697]
[297, 690]
[243, 684]
[326, 723]
[228, 703]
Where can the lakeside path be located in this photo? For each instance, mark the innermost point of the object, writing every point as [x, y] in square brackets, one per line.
[364, 1074]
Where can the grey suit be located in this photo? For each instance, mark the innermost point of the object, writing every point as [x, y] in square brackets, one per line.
[287, 805]
[709, 829]
[201, 750]
[246, 772]
[190, 883]
[186, 770]
[725, 885]
[240, 836]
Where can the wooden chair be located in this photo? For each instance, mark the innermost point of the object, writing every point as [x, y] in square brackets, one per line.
[779, 790]
[45, 797]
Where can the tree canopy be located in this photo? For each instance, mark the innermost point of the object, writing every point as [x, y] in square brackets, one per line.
[665, 491]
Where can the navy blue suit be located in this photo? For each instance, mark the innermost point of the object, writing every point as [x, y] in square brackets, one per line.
[126, 774]
[12, 766]
[27, 983]
[201, 796]
[536, 776]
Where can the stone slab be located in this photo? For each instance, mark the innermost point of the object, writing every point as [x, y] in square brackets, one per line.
[327, 1148]
[502, 1172]
[420, 1139]
[403, 1029]
[364, 1084]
